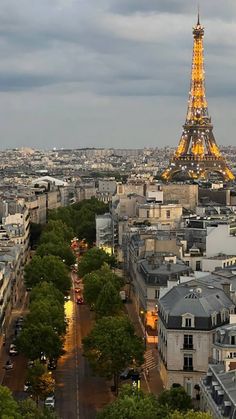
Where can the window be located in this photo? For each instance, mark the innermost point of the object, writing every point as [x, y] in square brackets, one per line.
[188, 341]
[224, 315]
[168, 214]
[188, 362]
[232, 340]
[214, 319]
[187, 262]
[148, 213]
[188, 322]
[157, 293]
[198, 265]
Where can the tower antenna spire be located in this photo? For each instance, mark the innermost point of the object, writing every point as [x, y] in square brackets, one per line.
[198, 14]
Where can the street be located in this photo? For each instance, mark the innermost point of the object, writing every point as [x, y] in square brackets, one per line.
[78, 393]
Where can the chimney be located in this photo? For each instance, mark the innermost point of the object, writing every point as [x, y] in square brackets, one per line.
[226, 288]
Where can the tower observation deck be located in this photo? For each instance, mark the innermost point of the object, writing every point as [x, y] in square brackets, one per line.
[197, 155]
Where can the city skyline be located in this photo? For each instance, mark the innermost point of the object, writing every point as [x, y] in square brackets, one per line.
[76, 74]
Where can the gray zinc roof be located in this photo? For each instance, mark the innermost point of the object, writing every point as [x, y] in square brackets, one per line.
[198, 299]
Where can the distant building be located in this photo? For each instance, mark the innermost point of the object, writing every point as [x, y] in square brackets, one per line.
[181, 193]
[104, 232]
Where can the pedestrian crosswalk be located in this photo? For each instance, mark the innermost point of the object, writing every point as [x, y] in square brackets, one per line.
[149, 361]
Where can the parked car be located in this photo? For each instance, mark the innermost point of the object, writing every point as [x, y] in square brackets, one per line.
[19, 320]
[80, 300]
[30, 363]
[50, 402]
[27, 386]
[127, 373]
[43, 358]
[8, 365]
[52, 364]
[13, 349]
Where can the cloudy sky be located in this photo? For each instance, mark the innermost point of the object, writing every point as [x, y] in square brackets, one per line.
[102, 73]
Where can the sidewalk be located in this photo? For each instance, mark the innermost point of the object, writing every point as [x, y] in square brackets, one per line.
[19, 310]
[151, 383]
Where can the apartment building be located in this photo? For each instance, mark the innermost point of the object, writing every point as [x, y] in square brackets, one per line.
[189, 315]
[218, 386]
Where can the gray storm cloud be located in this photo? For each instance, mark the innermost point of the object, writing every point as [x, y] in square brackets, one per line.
[105, 72]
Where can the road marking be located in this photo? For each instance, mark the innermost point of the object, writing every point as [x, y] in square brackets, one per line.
[76, 355]
[150, 361]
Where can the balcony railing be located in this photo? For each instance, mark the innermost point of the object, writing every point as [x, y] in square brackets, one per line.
[188, 368]
[188, 346]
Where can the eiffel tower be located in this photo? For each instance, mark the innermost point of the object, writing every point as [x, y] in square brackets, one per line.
[197, 154]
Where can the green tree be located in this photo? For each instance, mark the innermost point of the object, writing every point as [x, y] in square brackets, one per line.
[191, 414]
[8, 406]
[93, 260]
[95, 281]
[49, 269]
[80, 217]
[109, 302]
[35, 339]
[85, 212]
[62, 250]
[47, 312]
[112, 346]
[176, 399]
[64, 214]
[46, 290]
[42, 383]
[29, 410]
[133, 404]
[62, 230]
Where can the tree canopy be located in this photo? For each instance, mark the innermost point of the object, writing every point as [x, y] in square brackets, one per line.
[42, 384]
[49, 269]
[37, 338]
[191, 414]
[134, 404]
[47, 312]
[80, 217]
[96, 280]
[9, 408]
[46, 290]
[29, 410]
[93, 260]
[108, 302]
[62, 250]
[63, 231]
[112, 345]
[175, 398]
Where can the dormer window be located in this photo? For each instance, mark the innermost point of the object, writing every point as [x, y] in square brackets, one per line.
[224, 315]
[233, 340]
[188, 320]
[214, 319]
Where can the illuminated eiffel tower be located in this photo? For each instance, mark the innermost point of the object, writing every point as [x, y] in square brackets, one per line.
[197, 154]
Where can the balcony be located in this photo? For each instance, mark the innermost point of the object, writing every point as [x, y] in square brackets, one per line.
[188, 368]
[188, 347]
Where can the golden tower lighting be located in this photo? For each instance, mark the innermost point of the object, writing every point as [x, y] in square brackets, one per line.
[197, 155]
